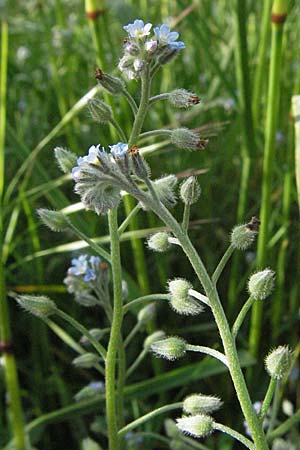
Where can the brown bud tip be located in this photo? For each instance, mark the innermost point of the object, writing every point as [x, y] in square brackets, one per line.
[6, 347]
[134, 150]
[194, 100]
[99, 74]
[278, 18]
[254, 224]
[202, 143]
[93, 15]
[103, 266]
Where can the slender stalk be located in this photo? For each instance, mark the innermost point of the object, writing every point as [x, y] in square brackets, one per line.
[220, 267]
[285, 426]
[279, 11]
[99, 250]
[99, 347]
[202, 298]
[268, 398]
[186, 217]
[128, 218]
[237, 436]
[157, 98]
[152, 133]
[296, 114]
[208, 351]
[119, 130]
[132, 333]
[114, 340]
[275, 407]
[144, 299]
[149, 416]
[131, 101]
[121, 382]
[136, 363]
[241, 316]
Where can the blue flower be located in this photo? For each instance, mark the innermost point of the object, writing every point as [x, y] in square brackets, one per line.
[167, 37]
[90, 158]
[138, 29]
[90, 275]
[119, 150]
[95, 261]
[79, 265]
[96, 386]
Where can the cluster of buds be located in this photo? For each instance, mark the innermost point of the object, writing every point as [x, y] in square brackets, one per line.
[141, 48]
[85, 275]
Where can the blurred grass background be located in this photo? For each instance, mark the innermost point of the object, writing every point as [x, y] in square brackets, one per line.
[52, 54]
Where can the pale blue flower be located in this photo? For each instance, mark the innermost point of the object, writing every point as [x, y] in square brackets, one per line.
[167, 37]
[151, 45]
[119, 150]
[96, 386]
[95, 261]
[79, 265]
[138, 29]
[90, 275]
[90, 158]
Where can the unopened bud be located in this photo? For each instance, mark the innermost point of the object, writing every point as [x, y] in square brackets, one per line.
[242, 236]
[167, 56]
[278, 362]
[171, 428]
[86, 361]
[97, 334]
[146, 314]
[139, 165]
[89, 391]
[261, 284]
[65, 159]
[39, 306]
[125, 62]
[200, 425]
[170, 348]
[152, 338]
[181, 301]
[159, 242]
[138, 64]
[90, 444]
[201, 404]
[187, 139]
[111, 84]
[165, 189]
[190, 191]
[151, 46]
[131, 49]
[181, 98]
[55, 220]
[100, 111]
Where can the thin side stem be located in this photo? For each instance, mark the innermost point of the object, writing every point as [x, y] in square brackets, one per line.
[220, 267]
[119, 130]
[275, 407]
[110, 367]
[131, 101]
[149, 416]
[186, 217]
[241, 316]
[132, 333]
[202, 298]
[121, 382]
[136, 363]
[268, 398]
[100, 251]
[157, 98]
[144, 299]
[237, 436]
[126, 222]
[154, 133]
[208, 351]
[285, 426]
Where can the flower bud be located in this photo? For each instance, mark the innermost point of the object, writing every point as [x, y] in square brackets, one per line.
[170, 348]
[139, 165]
[131, 48]
[86, 361]
[111, 84]
[190, 191]
[152, 338]
[38, 305]
[138, 64]
[90, 444]
[187, 139]
[97, 334]
[65, 159]
[200, 425]
[242, 236]
[171, 429]
[165, 190]
[278, 362]
[181, 301]
[159, 242]
[55, 220]
[151, 46]
[125, 62]
[89, 391]
[146, 314]
[100, 111]
[201, 404]
[261, 284]
[180, 98]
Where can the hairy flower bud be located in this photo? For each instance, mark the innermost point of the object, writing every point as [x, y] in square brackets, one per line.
[261, 284]
[242, 236]
[181, 301]
[200, 425]
[190, 191]
[159, 242]
[165, 187]
[201, 404]
[170, 348]
[65, 159]
[97, 334]
[139, 165]
[100, 111]
[152, 338]
[278, 362]
[146, 314]
[131, 48]
[187, 139]
[181, 98]
[86, 361]
[111, 84]
[55, 220]
[38, 305]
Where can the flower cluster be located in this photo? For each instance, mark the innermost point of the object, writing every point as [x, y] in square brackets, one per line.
[140, 48]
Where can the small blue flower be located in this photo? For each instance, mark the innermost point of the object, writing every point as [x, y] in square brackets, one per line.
[91, 158]
[95, 261]
[119, 150]
[167, 37]
[90, 275]
[96, 386]
[138, 29]
[79, 265]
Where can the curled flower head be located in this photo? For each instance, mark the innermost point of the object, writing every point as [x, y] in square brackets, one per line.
[138, 29]
[167, 37]
[119, 150]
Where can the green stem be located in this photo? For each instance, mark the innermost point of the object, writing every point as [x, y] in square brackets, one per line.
[149, 416]
[131, 101]
[296, 113]
[241, 317]
[186, 217]
[144, 299]
[100, 251]
[119, 130]
[268, 398]
[156, 133]
[275, 407]
[157, 98]
[131, 214]
[220, 267]
[110, 367]
[121, 382]
[136, 362]
[208, 351]
[99, 347]
[268, 164]
[285, 426]
[132, 333]
[237, 436]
